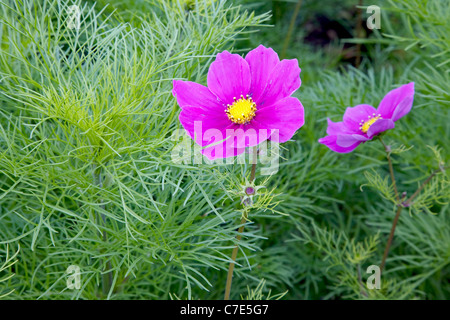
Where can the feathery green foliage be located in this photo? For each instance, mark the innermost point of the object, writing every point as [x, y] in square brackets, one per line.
[88, 129]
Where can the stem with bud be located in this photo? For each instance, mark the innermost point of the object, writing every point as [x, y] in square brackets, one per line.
[239, 236]
[399, 203]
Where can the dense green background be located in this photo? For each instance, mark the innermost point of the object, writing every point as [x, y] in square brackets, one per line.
[86, 124]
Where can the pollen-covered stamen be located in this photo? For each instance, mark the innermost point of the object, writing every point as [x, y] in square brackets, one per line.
[364, 125]
[242, 111]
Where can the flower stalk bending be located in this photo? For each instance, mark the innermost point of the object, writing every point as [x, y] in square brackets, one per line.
[239, 236]
[107, 274]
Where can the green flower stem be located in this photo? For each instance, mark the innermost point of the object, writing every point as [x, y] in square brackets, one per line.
[399, 209]
[233, 257]
[391, 169]
[358, 34]
[391, 236]
[363, 292]
[406, 203]
[107, 274]
[291, 29]
[239, 236]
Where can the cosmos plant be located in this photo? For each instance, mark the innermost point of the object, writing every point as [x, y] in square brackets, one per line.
[247, 101]
[364, 123]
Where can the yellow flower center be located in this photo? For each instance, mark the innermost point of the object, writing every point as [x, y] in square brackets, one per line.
[242, 111]
[364, 125]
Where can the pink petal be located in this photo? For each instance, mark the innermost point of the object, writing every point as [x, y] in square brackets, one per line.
[347, 140]
[379, 126]
[193, 94]
[242, 136]
[219, 137]
[222, 150]
[197, 121]
[229, 76]
[261, 60]
[283, 81]
[286, 116]
[397, 102]
[335, 128]
[354, 115]
[330, 142]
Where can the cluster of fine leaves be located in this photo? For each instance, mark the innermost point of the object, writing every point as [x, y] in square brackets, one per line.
[86, 173]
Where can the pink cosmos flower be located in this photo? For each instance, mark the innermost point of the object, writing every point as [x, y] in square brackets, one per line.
[246, 102]
[363, 122]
